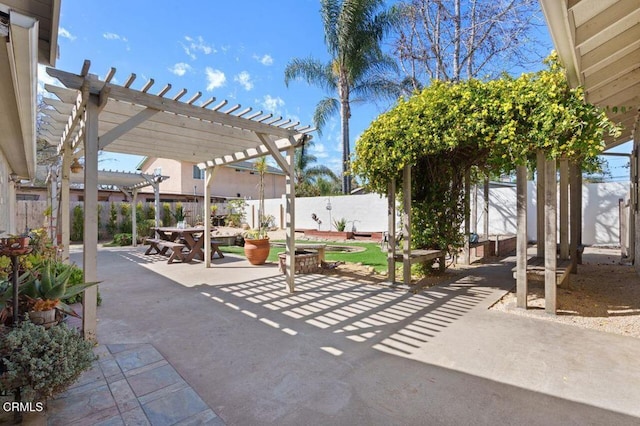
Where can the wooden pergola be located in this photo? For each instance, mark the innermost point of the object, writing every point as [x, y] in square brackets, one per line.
[93, 114]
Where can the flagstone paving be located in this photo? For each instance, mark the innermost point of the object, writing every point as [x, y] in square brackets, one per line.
[130, 385]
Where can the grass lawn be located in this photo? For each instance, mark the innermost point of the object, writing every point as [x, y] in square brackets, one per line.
[371, 256]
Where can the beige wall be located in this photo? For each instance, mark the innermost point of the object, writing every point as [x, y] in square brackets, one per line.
[7, 198]
[228, 182]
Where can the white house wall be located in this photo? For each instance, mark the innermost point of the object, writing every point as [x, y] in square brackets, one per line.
[600, 211]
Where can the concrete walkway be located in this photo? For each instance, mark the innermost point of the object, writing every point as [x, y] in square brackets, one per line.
[342, 353]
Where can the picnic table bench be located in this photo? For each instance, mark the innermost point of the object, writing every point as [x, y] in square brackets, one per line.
[423, 255]
[536, 270]
[162, 246]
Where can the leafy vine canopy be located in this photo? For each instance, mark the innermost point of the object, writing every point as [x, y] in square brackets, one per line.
[493, 125]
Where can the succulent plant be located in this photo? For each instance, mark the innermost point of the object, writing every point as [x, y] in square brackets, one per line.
[49, 284]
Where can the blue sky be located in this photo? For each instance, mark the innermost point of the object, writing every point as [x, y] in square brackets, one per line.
[233, 50]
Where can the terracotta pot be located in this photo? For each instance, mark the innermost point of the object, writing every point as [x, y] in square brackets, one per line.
[256, 251]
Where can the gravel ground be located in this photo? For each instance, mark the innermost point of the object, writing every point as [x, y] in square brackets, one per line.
[604, 295]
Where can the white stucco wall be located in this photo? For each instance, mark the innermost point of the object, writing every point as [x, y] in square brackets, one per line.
[369, 211]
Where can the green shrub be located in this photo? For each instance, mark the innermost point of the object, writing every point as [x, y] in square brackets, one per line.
[76, 277]
[144, 228]
[125, 226]
[77, 224]
[112, 224]
[43, 362]
[123, 239]
[167, 216]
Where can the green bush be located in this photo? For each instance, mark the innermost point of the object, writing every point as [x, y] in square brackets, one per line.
[76, 277]
[144, 228]
[125, 226]
[123, 239]
[112, 224]
[167, 215]
[43, 362]
[77, 224]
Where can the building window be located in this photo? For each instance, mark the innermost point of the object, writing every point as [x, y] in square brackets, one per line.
[198, 173]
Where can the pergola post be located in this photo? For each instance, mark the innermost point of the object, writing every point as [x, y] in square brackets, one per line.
[209, 174]
[406, 223]
[551, 237]
[564, 208]
[467, 216]
[65, 204]
[540, 179]
[633, 201]
[53, 197]
[486, 208]
[291, 223]
[288, 166]
[156, 199]
[89, 297]
[391, 230]
[134, 218]
[574, 195]
[521, 239]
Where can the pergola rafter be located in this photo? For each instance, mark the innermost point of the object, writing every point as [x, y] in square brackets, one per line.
[118, 118]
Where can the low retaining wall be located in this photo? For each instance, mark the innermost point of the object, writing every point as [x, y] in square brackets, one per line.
[307, 262]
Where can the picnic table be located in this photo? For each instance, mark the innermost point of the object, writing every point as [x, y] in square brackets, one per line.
[185, 244]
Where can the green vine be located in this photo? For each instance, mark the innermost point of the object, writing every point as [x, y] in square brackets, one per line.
[489, 127]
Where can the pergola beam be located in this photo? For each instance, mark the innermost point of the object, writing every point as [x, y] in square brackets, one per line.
[125, 127]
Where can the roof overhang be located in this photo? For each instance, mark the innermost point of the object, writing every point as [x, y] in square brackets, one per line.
[47, 13]
[18, 88]
[598, 42]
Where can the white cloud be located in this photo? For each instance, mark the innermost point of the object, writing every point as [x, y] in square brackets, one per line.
[114, 36]
[265, 60]
[180, 69]
[272, 104]
[215, 78]
[64, 33]
[244, 79]
[197, 44]
[319, 150]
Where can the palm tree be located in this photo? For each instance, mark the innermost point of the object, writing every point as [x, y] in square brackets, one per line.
[312, 180]
[353, 30]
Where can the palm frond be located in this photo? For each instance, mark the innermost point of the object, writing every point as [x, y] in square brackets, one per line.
[324, 110]
[312, 71]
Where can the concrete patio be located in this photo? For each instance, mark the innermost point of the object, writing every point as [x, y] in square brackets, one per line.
[337, 352]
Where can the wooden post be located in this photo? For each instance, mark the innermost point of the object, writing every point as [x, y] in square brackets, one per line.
[406, 231]
[564, 209]
[391, 230]
[551, 238]
[574, 195]
[134, 218]
[156, 200]
[90, 253]
[209, 174]
[486, 209]
[65, 204]
[633, 201]
[540, 179]
[467, 216]
[474, 209]
[291, 220]
[521, 240]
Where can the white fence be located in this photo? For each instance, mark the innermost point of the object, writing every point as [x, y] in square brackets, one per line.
[368, 213]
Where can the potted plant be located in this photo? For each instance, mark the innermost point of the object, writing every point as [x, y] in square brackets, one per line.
[256, 241]
[45, 291]
[179, 216]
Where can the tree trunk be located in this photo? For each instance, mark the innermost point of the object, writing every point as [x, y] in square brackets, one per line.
[345, 114]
